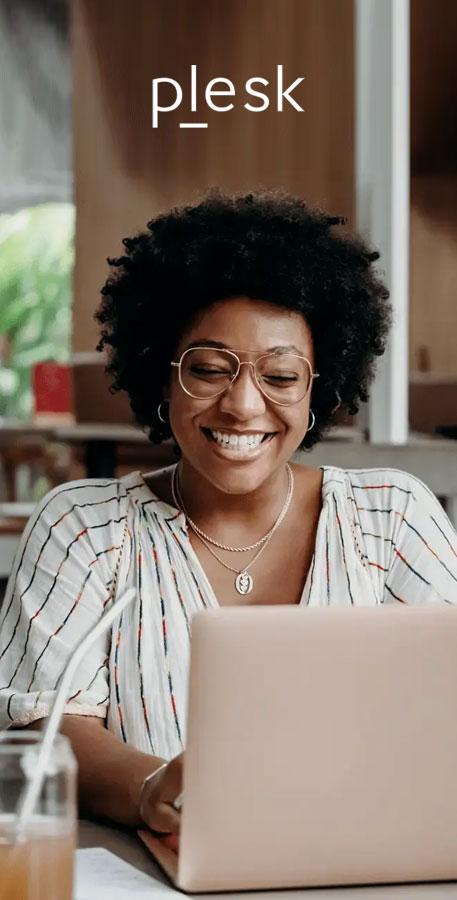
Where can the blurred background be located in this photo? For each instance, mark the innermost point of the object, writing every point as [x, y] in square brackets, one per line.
[81, 167]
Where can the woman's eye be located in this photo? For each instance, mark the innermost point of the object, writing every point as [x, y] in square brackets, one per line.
[208, 371]
[281, 379]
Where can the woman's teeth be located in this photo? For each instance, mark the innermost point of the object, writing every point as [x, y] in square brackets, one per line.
[237, 441]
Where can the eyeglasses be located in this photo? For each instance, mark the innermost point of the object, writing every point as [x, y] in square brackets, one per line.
[206, 372]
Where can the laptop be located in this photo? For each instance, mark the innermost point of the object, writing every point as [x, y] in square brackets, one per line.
[321, 749]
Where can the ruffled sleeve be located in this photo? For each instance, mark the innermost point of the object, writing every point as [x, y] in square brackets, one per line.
[423, 550]
[59, 586]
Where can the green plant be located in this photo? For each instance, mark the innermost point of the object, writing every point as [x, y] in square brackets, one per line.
[36, 264]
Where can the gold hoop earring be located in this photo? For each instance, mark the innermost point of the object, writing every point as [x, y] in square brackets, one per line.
[159, 413]
[312, 423]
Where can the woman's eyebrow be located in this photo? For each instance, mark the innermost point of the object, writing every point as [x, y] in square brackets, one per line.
[283, 348]
[207, 343]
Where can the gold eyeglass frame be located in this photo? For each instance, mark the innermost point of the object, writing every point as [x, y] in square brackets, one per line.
[232, 353]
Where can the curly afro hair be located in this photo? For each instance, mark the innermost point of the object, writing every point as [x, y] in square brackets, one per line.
[269, 246]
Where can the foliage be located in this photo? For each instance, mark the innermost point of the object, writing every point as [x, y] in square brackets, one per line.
[36, 263]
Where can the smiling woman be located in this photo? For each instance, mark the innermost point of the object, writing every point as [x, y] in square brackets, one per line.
[235, 326]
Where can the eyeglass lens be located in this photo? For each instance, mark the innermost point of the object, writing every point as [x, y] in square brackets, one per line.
[282, 377]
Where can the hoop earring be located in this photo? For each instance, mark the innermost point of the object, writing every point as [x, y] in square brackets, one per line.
[313, 422]
[160, 414]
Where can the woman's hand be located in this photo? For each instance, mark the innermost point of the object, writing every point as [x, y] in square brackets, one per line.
[160, 790]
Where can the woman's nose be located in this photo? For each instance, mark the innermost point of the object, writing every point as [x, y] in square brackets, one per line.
[243, 398]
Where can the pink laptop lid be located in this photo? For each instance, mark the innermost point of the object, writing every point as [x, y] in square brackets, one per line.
[321, 748]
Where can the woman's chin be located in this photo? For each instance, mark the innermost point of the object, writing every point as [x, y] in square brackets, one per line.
[234, 470]
[238, 477]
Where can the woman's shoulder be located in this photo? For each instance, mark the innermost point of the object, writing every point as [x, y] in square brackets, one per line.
[84, 489]
[107, 500]
[75, 502]
[385, 481]
[395, 500]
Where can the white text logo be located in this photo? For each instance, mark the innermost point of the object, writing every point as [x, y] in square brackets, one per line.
[222, 87]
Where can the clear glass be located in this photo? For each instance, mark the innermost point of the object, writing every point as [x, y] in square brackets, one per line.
[37, 864]
[206, 372]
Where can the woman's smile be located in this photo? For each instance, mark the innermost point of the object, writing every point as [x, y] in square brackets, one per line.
[246, 445]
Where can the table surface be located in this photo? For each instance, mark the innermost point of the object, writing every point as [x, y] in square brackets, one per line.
[127, 846]
[12, 429]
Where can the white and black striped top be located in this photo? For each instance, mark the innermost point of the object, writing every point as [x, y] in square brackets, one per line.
[382, 537]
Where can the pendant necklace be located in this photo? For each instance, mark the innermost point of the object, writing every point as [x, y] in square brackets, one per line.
[244, 581]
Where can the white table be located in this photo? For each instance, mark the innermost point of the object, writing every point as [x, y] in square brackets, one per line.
[123, 843]
[127, 846]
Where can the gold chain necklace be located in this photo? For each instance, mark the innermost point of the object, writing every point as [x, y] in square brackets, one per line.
[244, 582]
[205, 537]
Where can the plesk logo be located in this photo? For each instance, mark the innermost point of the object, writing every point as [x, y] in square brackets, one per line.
[218, 88]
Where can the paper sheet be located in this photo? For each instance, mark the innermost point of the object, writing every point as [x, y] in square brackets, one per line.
[100, 875]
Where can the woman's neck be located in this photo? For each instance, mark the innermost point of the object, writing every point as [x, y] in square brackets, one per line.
[232, 518]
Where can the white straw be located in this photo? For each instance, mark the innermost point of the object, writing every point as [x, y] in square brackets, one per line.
[33, 788]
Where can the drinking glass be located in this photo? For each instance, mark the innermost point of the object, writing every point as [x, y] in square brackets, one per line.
[36, 863]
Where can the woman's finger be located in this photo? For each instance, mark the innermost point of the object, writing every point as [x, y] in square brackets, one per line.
[171, 782]
[163, 818]
[159, 794]
[171, 841]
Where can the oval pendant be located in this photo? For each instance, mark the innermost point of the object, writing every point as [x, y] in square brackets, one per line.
[244, 583]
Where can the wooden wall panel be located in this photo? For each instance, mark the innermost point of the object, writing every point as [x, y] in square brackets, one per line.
[125, 172]
[433, 295]
[433, 85]
[433, 292]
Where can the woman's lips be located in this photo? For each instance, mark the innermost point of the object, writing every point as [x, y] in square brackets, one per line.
[236, 445]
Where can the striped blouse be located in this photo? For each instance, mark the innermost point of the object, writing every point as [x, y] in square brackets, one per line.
[382, 537]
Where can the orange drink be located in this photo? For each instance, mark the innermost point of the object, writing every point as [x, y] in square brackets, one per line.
[36, 863]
